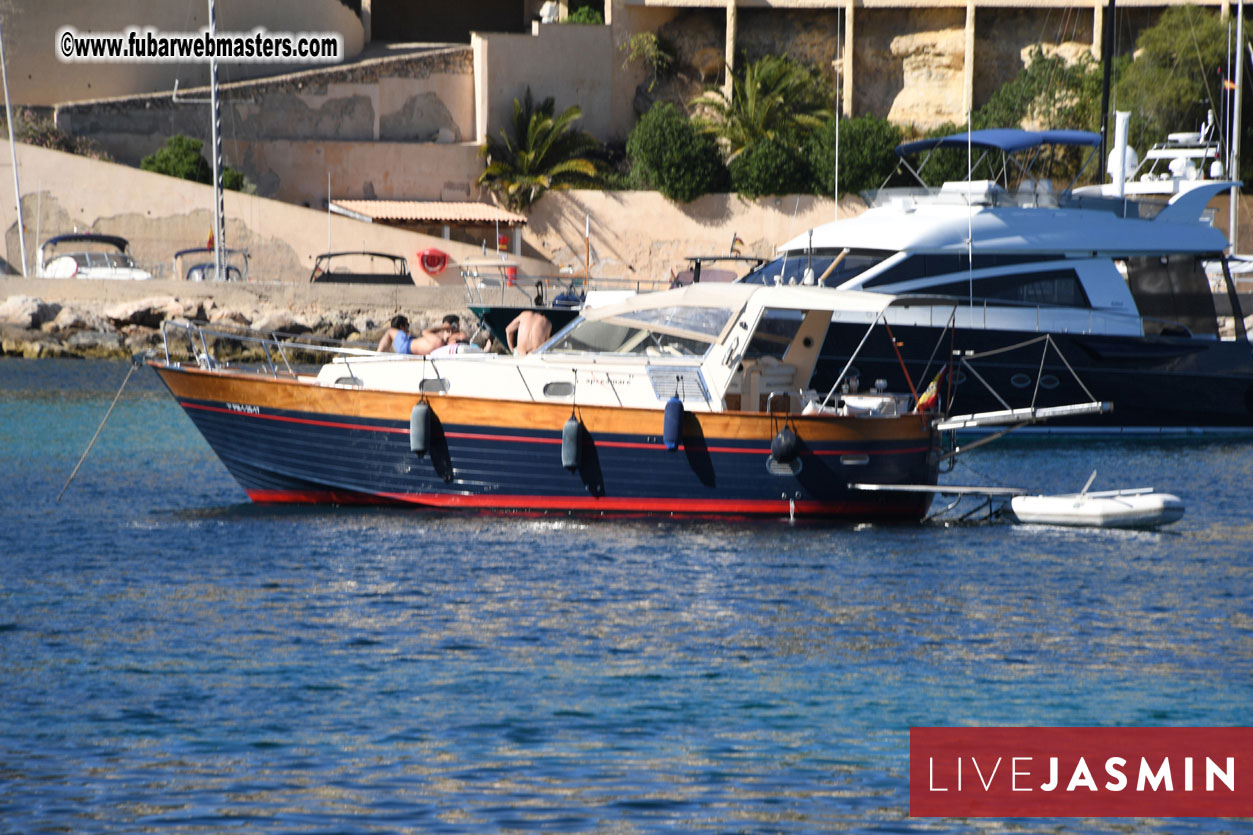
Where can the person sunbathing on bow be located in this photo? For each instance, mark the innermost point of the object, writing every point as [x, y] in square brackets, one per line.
[398, 339]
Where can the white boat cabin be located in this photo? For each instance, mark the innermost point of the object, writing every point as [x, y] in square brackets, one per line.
[718, 347]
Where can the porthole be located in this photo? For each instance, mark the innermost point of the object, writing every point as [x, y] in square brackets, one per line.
[436, 385]
[784, 468]
[1020, 380]
[559, 388]
[959, 377]
[1049, 381]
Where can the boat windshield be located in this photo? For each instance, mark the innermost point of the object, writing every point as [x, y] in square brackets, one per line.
[676, 331]
[793, 267]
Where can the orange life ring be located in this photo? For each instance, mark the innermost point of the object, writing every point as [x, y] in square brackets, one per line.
[432, 261]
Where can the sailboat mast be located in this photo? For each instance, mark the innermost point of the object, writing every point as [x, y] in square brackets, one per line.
[17, 188]
[216, 125]
[1234, 173]
[1107, 65]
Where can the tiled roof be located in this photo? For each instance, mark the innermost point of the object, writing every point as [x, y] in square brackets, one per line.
[431, 211]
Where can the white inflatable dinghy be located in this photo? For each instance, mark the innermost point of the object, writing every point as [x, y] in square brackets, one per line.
[1137, 507]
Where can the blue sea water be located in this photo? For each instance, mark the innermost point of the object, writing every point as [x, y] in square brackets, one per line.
[175, 659]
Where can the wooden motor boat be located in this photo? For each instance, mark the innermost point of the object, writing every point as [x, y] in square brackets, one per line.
[690, 401]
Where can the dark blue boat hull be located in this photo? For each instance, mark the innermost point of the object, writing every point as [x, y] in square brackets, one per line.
[280, 454]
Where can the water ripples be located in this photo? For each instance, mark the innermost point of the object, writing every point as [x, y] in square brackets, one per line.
[176, 659]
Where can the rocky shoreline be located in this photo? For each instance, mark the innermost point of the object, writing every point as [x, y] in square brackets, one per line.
[34, 328]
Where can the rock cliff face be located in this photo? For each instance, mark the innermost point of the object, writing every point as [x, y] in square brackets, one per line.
[909, 64]
[929, 59]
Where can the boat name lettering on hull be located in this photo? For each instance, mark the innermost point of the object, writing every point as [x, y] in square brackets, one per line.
[244, 408]
[610, 380]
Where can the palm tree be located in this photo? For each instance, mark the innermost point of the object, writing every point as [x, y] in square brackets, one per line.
[544, 152]
[775, 99]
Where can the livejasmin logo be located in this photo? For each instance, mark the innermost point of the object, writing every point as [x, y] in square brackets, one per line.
[1081, 777]
[1081, 772]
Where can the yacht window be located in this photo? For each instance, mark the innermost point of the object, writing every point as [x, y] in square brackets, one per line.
[929, 265]
[793, 267]
[1173, 295]
[669, 331]
[1054, 287]
[708, 321]
[774, 333]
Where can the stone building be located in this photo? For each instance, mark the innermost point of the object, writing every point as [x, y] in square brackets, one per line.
[403, 117]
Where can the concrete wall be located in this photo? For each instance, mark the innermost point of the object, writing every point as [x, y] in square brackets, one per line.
[37, 77]
[160, 215]
[440, 20]
[573, 64]
[280, 131]
[296, 172]
[634, 234]
[643, 236]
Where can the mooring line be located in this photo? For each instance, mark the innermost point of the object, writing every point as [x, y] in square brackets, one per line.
[98, 430]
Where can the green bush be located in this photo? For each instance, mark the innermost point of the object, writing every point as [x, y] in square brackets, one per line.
[544, 151]
[585, 14]
[774, 99]
[867, 154]
[771, 166]
[1049, 91]
[1176, 74]
[180, 157]
[43, 132]
[668, 154]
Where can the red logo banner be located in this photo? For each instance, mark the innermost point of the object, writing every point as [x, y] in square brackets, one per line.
[1080, 772]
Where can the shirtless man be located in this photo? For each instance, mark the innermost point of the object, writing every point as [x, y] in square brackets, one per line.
[527, 332]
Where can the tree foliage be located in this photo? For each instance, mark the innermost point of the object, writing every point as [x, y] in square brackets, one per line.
[655, 53]
[668, 153]
[867, 154]
[43, 133]
[544, 151]
[180, 157]
[1049, 92]
[774, 99]
[770, 166]
[1176, 75]
[585, 14]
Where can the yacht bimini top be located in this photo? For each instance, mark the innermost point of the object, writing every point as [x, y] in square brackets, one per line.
[1008, 140]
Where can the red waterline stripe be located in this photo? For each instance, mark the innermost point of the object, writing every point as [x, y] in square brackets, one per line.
[523, 502]
[480, 436]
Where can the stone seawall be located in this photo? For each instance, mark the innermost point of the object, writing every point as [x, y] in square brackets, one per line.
[42, 318]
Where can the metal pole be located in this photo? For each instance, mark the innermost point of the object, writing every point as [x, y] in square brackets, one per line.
[1234, 172]
[17, 188]
[839, 82]
[1107, 65]
[219, 211]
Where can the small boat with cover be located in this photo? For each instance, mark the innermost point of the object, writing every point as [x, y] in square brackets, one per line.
[1136, 507]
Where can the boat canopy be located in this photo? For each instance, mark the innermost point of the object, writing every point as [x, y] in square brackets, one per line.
[87, 237]
[736, 296]
[1008, 140]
